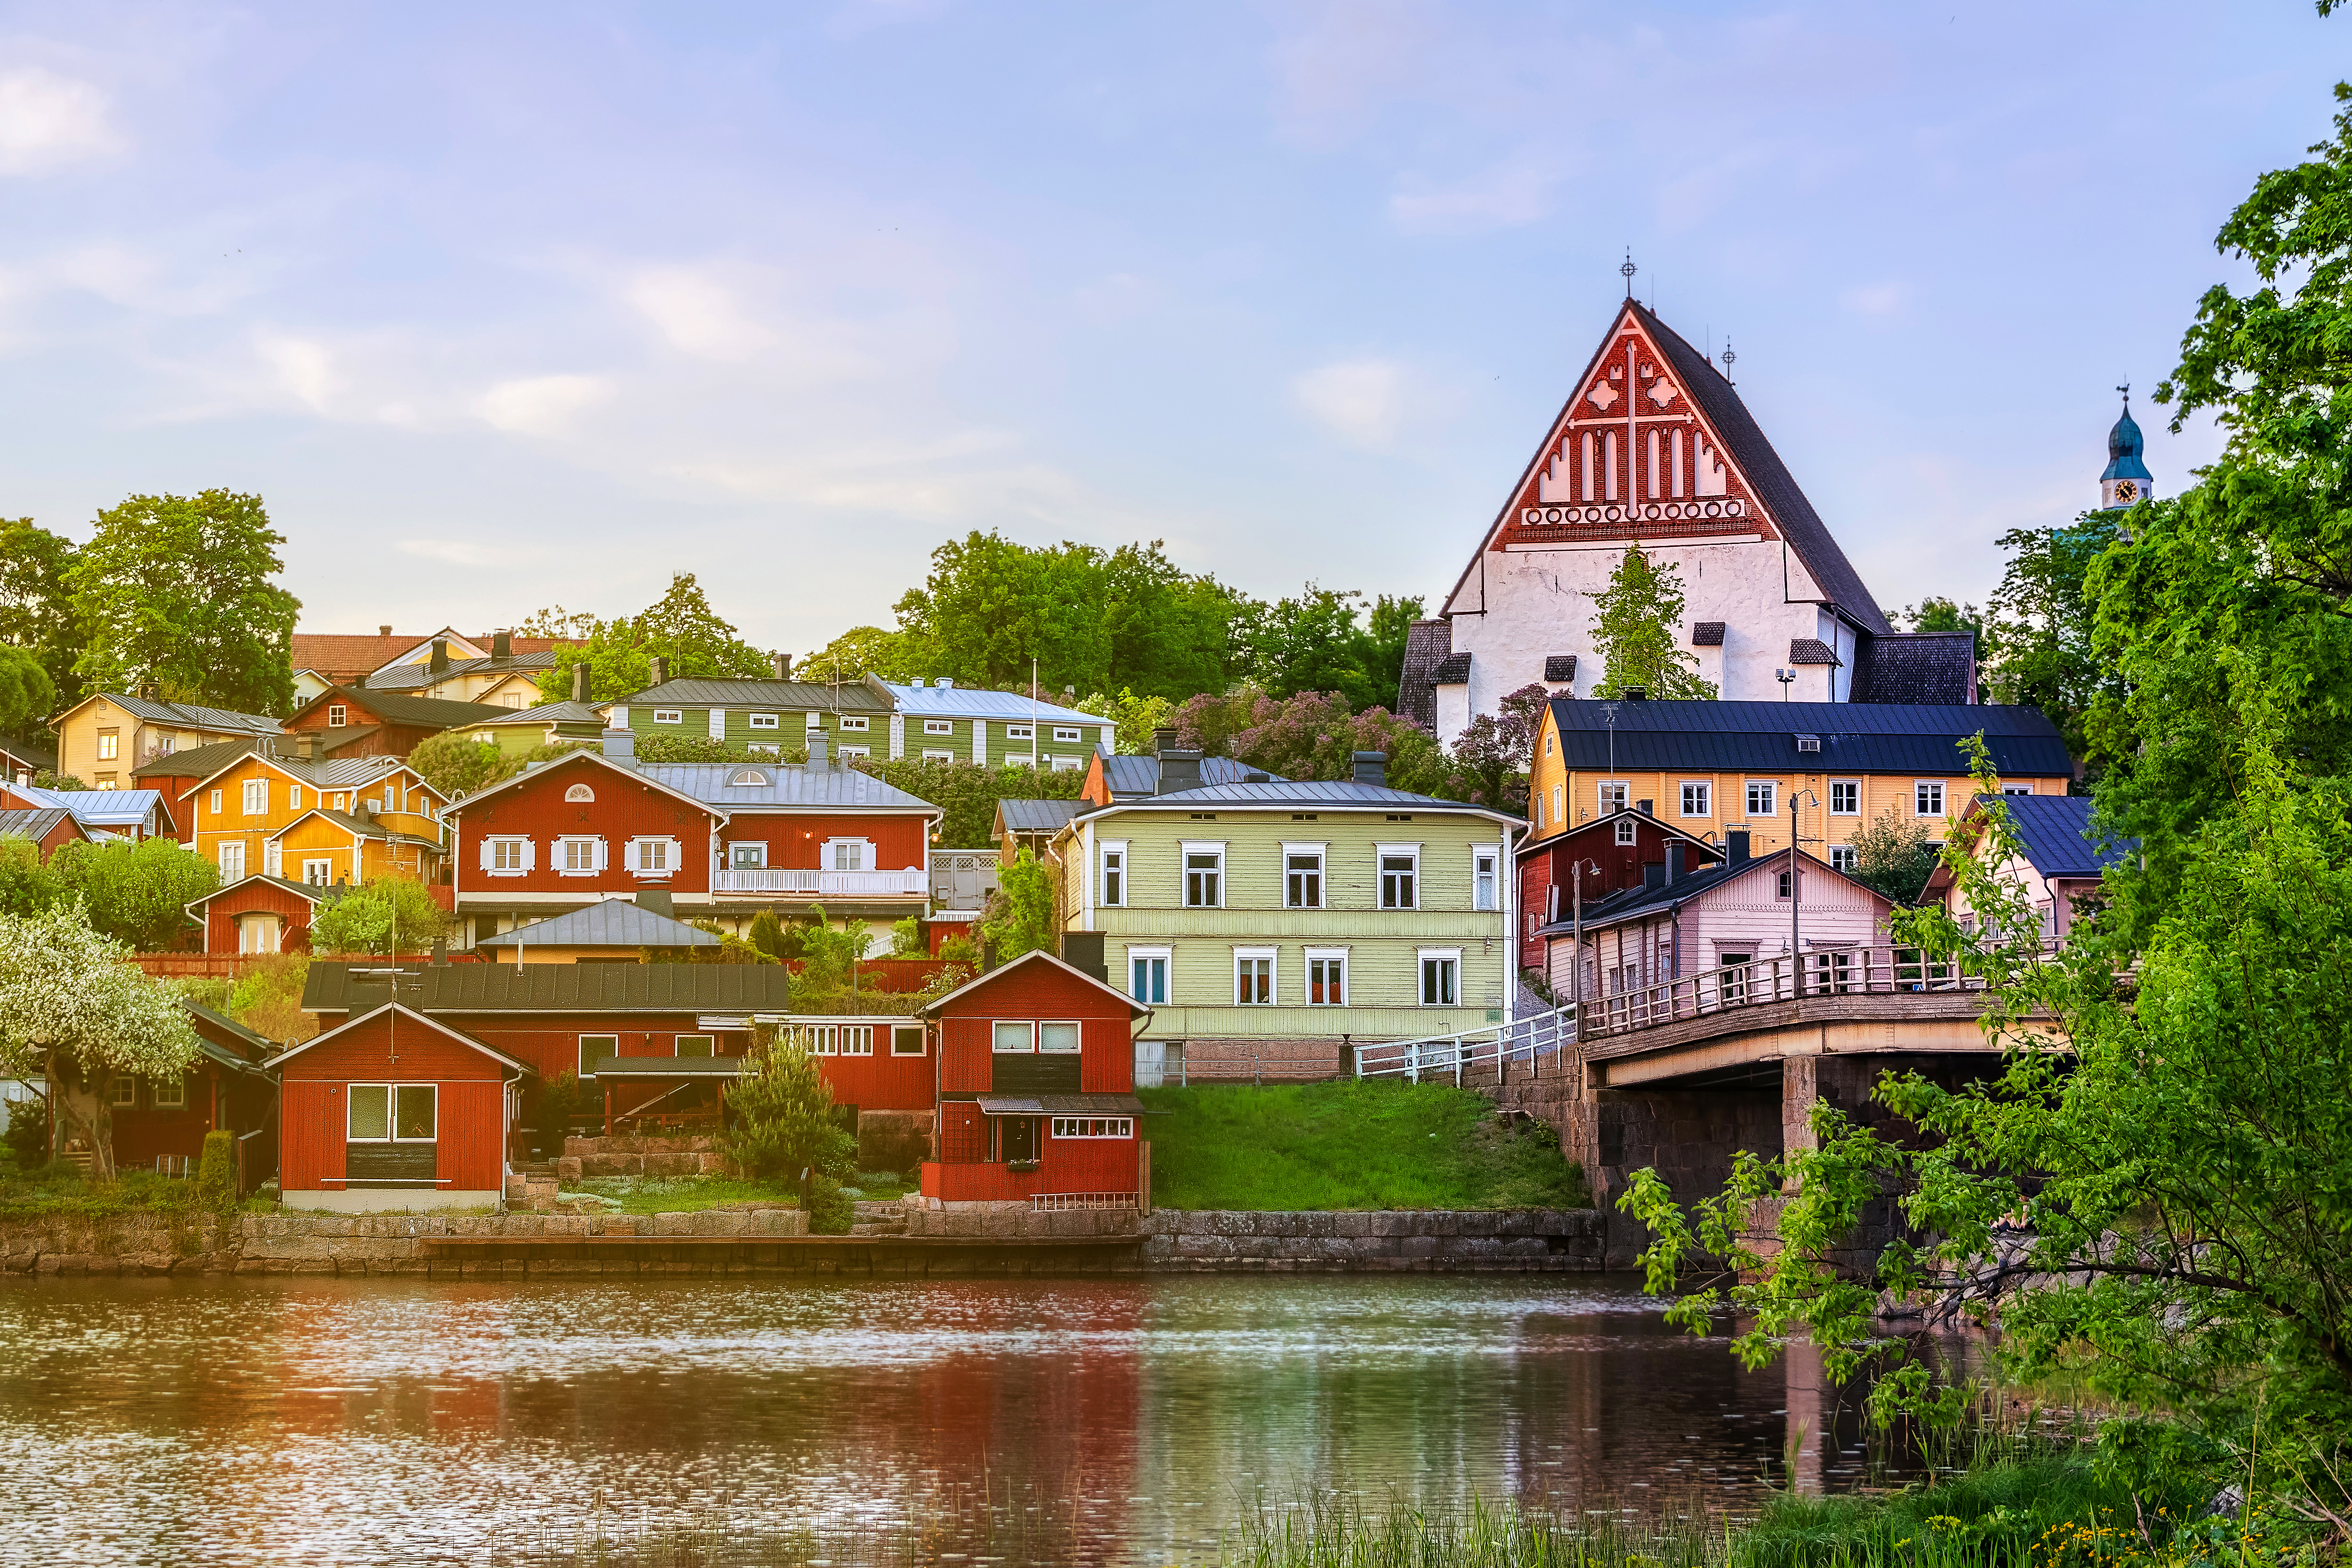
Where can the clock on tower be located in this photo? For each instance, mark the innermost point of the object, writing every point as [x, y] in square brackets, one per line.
[2126, 482]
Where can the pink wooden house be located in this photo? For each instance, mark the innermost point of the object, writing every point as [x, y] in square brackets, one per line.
[1680, 923]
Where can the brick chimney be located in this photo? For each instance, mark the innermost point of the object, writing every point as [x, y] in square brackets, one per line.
[384, 631]
[784, 666]
[580, 682]
[503, 645]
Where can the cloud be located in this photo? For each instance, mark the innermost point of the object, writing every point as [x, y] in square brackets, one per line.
[1514, 193]
[1359, 401]
[1877, 298]
[698, 313]
[540, 405]
[467, 552]
[304, 366]
[48, 120]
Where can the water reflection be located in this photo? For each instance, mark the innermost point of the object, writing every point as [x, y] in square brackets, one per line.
[388, 1422]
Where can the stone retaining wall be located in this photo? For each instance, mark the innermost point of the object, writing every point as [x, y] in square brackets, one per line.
[630, 1156]
[1199, 1241]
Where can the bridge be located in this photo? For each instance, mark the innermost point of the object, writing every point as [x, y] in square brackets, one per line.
[1679, 1074]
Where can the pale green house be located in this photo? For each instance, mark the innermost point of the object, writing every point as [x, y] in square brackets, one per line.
[1282, 922]
[521, 731]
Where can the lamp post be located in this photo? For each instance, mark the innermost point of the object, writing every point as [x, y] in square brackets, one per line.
[1796, 888]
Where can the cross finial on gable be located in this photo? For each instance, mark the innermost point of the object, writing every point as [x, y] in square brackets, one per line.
[1629, 269]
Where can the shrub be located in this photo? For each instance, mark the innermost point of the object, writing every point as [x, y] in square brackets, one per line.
[768, 936]
[831, 1211]
[961, 950]
[369, 919]
[457, 764]
[27, 1137]
[785, 1118]
[217, 1174]
[906, 939]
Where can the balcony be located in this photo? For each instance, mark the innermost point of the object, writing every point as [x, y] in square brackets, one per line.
[910, 884]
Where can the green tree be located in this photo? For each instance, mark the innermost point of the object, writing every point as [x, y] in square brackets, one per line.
[680, 626]
[135, 893]
[27, 696]
[1320, 642]
[1934, 613]
[26, 886]
[1894, 856]
[862, 651]
[1020, 915]
[990, 606]
[784, 1121]
[1134, 717]
[768, 936]
[968, 794]
[217, 1173]
[1492, 753]
[176, 591]
[2039, 631]
[1171, 633]
[74, 1012]
[36, 609]
[369, 918]
[906, 939]
[1637, 631]
[458, 765]
[1313, 735]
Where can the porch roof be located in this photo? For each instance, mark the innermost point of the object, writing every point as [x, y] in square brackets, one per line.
[669, 1066]
[1060, 1105]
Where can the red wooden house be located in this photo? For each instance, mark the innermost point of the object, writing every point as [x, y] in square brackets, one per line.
[1036, 1088]
[50, 829]
[393, 1110]
[160, 1123]
[1611, 852]
[258, 914]
[352, 723]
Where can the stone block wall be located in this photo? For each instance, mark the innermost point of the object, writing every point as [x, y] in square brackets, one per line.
[1206, 1241]
[628, 1156]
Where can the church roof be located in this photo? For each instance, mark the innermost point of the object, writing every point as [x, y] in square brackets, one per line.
[2125, 444]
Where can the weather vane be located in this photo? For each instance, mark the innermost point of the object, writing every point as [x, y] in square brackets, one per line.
[1629, 269]
[2125, 390]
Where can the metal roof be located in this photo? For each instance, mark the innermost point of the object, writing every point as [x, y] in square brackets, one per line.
[190, 715]
[784, 784]
[1059, 1105]
[545, 713]
[1636, 902]
[969, 702]
[666, 1067]
[612, 922]
[1310, 794]
[1035, 816]
[408, 677]
[1128, 777]
[2058, 838]
[717, 691]
[34, 825]
[198, 761]
[561, 988]
[103, 808]
[1760, 736]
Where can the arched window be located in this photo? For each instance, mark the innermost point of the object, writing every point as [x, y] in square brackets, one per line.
[580, 793]
[749, 778]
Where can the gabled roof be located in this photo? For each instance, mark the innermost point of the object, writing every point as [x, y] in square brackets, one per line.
[396, 707]
[301, 890]
[610, 923]
[411, 678]
[1334, 795]
[1634, 903]
[1857, 738]
[256, 1049]
[402, 1011]
[1426, 646]
[186, 716]
[971, 702]
[1132, 777]
[2057, 834]
[788, 784]
[1715, 401]
[538, 771]
[334, 773]
[36, 825]
[1811, 651]
[1554, 837]
[719, 691]
[1035, 816]
[1038, 955]
[198, 761]
[333, 653]
[358, 826]
[564, 987]
[96, 808]
[565, 712]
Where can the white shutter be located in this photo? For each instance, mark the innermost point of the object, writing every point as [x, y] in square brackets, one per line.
[599, 854]
[487, 851]
[531, 854]
[718, 724]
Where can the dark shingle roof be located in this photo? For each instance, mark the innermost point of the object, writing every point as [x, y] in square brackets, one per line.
[410, 677]
[243, 1049]
[1426, 644]
[1916, 667]
[1636, 902]
[1773, 484]
[1811, 651]
[1707, 634]
[1037, 816]
[1454, 670]
[561, 988]
[397, 707]
[196, 762]
[2052, 829]
[1560, 666]
[1857, 738]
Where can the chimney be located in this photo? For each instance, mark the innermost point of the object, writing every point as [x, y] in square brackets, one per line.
[503, 645]
[1737, 843]
[1162, 741]
[1178, 771]
[816, 759]
[1654, 875]
[1371, 767]
[1675, 870]
[308, 741]
[656, 901]
[784, 666]
[945, 682]
[1637, 694]
[440, 659]
[621, 747]
[1083, 951]
[384, 631]
[23, 778]
[580, 682]
[660, 670]
[440, 949]
[1647, 807]
[367, 810]
[987, 957]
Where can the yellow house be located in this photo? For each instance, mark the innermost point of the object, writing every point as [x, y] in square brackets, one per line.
[103, 738]
[239, 811]
[1707, 768]
[323, 847]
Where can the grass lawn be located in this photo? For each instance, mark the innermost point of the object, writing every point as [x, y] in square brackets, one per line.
[1349, 1145]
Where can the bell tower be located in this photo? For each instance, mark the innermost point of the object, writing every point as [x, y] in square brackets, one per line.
[2126, 482]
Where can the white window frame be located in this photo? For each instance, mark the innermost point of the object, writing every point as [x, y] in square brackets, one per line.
[526, 854]
[1852, 788]
[1699, 792]
[736, 848]
[1485, 879]
[559, 855]
[1768, 791]
[1272, 958]
[1558, 813]
[1844, 857]
[938, 757]
[1381, 853]
[231, 857]
[763, 721]
[939, 726]
[391, 1112]
[748, 778]
[1012, 1036]
[1327, 955]
[678, 1043]
[581, 1062]
[1077, 1038]
[1450, 958]
[293, 796]
[1320, 872]
[672, 853]
[1186, 850]
[669, 715]
[273, 858]
[1111, 887]
[922, 1046]
[580, 795]
[1020, 732]
[855, 724]
[110, 745]
[846, 752]
[318, 871]
[1612, 795]
[122, 1093]
[1064, 733]
[254, 798]
[863, 851]
[217, 803]
[1628, 831]
[1094, 1126]
[1923, 791]
[167, 1093]
[336, 715]
[1164, 956]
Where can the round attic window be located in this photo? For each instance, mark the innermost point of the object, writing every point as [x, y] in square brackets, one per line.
[749, 778]
[580, 793]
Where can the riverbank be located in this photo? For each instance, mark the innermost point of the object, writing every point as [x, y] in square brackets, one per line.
[966, 1241]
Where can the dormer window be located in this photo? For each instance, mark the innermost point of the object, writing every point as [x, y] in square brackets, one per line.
[748, 778]
[1809, 743]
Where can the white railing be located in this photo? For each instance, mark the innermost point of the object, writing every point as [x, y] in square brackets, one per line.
[1831, 972]
[826, 883]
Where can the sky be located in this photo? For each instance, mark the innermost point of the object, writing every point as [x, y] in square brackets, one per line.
[504, 308]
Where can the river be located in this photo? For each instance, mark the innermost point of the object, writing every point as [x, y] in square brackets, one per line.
[373, 1421]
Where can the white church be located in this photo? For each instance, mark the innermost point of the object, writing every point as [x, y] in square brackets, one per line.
[1654, 446]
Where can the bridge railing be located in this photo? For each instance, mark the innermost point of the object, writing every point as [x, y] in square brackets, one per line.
[1829, 972]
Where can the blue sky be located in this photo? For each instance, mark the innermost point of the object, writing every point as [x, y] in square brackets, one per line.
[507, 307]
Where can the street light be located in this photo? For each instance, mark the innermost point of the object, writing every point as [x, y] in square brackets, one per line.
[1787, 678]
[1796, 886]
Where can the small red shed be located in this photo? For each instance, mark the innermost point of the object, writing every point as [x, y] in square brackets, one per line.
[392, 1111]
[160, 1123]
[258, 914]
[1036, 1090]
